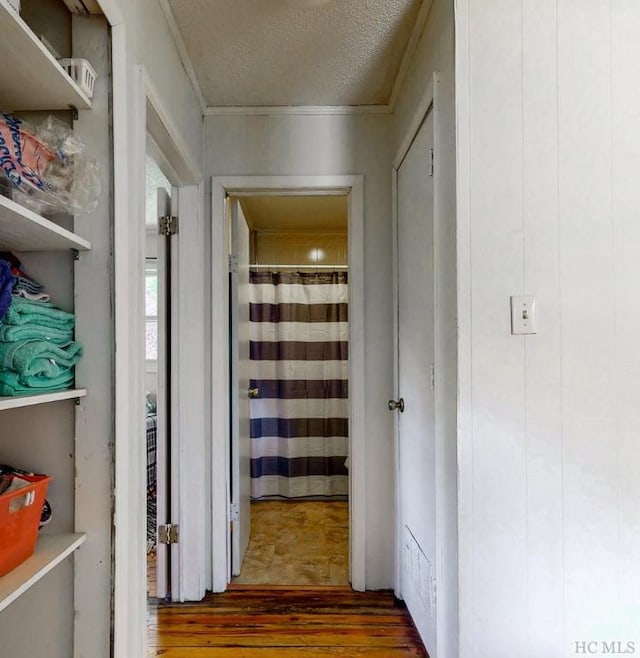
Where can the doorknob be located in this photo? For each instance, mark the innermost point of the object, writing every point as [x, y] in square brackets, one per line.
[396, 404]
[254, 392]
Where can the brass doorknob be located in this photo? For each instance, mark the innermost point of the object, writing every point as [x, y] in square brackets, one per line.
[396, 404]
[254, 392]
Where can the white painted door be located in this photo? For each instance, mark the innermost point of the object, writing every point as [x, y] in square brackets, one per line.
[416, 357]
[162, 418]
[240, 477]
[167, 501]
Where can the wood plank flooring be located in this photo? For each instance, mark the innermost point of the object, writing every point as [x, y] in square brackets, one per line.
[284, 622]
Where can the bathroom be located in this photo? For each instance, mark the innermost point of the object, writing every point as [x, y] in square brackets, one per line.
[298, 372]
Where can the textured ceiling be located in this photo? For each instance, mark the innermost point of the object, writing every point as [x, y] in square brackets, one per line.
[296, 212]
[279, 52]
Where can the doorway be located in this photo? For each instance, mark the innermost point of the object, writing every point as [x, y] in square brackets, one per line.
[289, 302]
[224, 506]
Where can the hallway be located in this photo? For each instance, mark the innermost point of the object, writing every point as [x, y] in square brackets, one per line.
[284, 623]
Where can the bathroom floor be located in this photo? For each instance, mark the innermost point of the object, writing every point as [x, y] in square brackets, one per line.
[297, 543]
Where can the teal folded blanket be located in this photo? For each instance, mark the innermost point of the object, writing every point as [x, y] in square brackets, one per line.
[39, 357]
[11, 383]
[27, 311]
[11, 333]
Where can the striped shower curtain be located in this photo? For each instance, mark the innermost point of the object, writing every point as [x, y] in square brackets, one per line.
[299, 364]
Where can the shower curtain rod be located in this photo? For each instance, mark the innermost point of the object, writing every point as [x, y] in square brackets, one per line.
[312, 266]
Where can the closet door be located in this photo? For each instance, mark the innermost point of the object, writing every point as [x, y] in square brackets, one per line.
[415, 405]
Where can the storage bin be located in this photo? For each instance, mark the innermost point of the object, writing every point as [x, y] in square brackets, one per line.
[81, 72]
[19, 521]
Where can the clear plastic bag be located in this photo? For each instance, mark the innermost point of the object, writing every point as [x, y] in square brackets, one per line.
[47, 166]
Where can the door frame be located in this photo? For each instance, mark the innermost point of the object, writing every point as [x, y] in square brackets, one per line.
[428, 103]
[222, 187]
[188, 373]
[129, 545]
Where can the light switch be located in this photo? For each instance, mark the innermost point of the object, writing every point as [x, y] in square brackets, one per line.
[523, 315]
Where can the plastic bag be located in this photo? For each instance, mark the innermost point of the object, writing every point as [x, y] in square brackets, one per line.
[47, 166]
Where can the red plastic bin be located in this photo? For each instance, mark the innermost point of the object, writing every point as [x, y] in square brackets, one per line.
[19, 521]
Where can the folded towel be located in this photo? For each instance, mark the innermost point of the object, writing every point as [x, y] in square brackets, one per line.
[36, 297]
[25, 282]
[39, 357]
[10, 332]
[11, 383]
[22, 280]
[23, 311]
[6, 287]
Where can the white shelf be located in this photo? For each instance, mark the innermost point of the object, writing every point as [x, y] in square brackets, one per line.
[23, 230]
[12, 402]
[50, 551]
[30, 76]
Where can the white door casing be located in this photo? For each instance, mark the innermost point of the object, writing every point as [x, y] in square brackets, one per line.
[139, 113]
[222, 187]
[240, 420]
[416, 445]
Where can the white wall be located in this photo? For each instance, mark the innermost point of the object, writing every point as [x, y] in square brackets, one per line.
[435, 52]
[549, 155]
[287, 145]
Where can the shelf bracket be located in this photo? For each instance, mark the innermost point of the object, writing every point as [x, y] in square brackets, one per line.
[76, 254]
[74, 112]
[76, 401]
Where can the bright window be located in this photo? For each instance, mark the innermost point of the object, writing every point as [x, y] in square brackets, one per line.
[151, 311]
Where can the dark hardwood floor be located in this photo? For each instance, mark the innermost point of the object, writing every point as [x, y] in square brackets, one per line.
[283, 622]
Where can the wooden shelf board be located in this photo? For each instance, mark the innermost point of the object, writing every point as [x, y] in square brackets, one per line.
[30, 76]
[23, 230]
[50, 551]
[12, 402]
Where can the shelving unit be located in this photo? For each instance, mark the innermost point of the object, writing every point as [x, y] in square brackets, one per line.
[14, 402]
[32, 79]
[23, 230]
[50, 551]
[30, 76]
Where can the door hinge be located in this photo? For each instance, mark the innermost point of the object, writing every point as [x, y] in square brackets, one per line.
[168, 225]
[234, 512]
[169, 533]
[233, 264]
[431, 162]
[432, 372]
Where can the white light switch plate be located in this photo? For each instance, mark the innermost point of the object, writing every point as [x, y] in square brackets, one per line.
[524, 318]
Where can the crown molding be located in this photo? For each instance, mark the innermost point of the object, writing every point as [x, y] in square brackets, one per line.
[182, 53]
[297, 110]
[409, 52]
